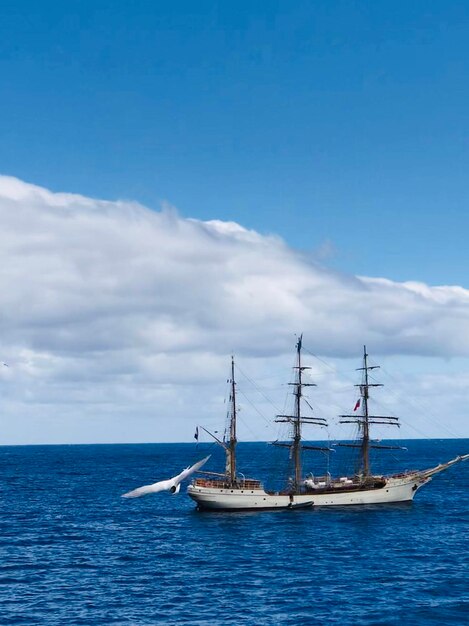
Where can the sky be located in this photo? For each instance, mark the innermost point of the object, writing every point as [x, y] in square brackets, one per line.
[183, 181]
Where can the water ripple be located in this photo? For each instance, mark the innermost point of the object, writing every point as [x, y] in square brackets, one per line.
[73, 552]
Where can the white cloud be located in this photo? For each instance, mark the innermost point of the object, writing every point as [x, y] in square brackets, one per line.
[117, 318]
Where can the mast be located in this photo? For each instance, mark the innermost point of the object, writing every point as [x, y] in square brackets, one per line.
[230, 430]
[296, 445]
[365, 419]
[297, 420]
[365, 425]
[231, 450]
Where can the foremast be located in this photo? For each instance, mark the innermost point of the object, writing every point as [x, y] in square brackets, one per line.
[297, 420]
[364, 420]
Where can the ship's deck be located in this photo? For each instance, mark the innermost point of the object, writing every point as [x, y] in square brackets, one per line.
[217, 483]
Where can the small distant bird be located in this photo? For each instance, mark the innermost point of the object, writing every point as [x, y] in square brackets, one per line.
[172, 484]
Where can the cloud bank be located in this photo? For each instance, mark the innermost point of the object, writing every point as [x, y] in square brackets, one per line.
[105, 304]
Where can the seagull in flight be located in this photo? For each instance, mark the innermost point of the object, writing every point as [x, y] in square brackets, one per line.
[172, 484]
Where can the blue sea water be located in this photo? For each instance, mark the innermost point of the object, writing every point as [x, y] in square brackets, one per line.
[72, 551]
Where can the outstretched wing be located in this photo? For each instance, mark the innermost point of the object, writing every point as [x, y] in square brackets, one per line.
[162, 485]
[165, 485]
[190, 470]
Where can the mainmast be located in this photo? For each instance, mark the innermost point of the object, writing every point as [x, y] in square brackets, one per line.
[297, 420]
[365, 419]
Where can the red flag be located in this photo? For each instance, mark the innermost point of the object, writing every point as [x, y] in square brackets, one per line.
[357, 405]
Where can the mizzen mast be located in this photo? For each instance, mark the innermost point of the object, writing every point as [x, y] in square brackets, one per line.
[231, 449]
[230, 432]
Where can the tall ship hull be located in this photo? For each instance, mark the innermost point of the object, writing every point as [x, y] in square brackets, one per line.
[383, 490]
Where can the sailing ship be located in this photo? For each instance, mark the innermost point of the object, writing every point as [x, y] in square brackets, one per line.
[230, 491]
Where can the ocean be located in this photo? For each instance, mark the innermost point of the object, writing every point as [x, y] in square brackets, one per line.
[72, 551]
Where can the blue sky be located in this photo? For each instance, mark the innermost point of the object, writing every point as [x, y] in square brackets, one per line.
[339, 122]
[341, 128]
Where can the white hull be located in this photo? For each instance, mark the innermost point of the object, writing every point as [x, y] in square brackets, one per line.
[396, 489]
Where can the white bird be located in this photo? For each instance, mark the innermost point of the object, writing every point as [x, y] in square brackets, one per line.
[172, 484]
